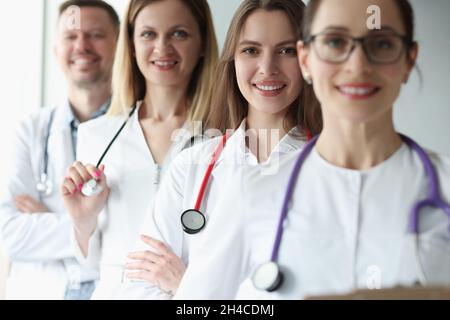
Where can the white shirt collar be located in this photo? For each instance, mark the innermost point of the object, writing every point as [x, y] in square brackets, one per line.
[236, 147]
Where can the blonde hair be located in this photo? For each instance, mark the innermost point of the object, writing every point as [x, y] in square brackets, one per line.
[229, 107]
[128, 83]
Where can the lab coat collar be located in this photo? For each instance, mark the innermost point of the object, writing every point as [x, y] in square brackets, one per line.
[64, 116]
[236, 147]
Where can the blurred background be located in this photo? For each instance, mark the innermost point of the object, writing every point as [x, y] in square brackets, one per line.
[30, 77]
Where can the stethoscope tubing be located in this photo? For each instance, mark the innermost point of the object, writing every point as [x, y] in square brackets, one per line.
[434, 198]
[208, 172]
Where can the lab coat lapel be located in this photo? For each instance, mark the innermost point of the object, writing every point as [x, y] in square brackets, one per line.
[234, 151]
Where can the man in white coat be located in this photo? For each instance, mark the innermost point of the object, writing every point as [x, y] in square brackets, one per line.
[34, 225]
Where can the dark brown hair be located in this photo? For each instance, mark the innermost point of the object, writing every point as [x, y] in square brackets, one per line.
[229, 107]
[92, 3]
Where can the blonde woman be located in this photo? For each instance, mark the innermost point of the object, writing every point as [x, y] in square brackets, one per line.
[161, 82]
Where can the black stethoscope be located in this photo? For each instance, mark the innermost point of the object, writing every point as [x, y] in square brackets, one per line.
[193, 220]
[268, 275]
[92, 188]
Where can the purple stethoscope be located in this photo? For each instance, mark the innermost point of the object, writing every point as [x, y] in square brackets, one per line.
[268, 275]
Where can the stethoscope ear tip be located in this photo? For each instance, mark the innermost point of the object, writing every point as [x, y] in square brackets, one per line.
[44, 186]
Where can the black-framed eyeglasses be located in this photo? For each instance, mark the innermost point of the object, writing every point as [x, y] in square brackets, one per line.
[382, 48]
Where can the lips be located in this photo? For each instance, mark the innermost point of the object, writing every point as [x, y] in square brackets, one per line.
[269, 88]
[358, 91]
[164, 64]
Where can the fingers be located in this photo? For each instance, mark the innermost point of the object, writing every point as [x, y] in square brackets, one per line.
[142, 275]
[28, 204]
[155, 275]
[21, 205]
[93, 172]
[25, 203]
[145, 256]
[79, 174]
[164, 271]
[68, 187]
[140, 265]
[160, 247]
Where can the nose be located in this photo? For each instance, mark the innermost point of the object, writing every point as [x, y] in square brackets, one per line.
[162, 45]
[82, 43]
[268, 64]
[358, 61]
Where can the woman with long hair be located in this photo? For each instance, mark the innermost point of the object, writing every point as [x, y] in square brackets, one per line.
[162, 79]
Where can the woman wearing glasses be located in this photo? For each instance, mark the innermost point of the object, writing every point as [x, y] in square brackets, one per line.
[351, 213]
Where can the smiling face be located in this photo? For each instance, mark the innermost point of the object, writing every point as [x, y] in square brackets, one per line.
[267, 71]
[167, 43]
[356, 89]
[86, 54]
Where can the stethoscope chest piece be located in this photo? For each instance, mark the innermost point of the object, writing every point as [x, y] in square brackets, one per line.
[44, 185]
[267, 277]
[91, 188]
[193, 221]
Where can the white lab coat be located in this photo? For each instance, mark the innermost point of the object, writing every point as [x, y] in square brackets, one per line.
[346, 229]
[179, 192]
[39, 245]
[133, 178]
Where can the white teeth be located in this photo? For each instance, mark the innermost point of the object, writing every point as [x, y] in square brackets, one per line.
[357, 91]
[165, 63]
[269, 88]
[82, 62]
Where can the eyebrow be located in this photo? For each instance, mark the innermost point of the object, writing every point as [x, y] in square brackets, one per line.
[86, 30]
[255, 43]
[336, 28]
[171, 28]
[383, 29]
[344, 29]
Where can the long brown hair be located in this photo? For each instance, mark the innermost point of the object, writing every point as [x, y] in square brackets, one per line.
[229, 106]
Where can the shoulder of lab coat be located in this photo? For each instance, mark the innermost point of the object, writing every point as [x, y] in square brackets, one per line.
[163, 219]
[439, 232]
[93, 138]
[31, 237]
[442, 165]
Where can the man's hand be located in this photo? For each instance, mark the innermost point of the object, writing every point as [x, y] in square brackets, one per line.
[27, 204]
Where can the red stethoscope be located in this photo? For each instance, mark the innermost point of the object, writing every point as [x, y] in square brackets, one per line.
[193, 220]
